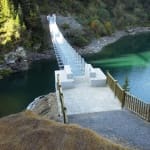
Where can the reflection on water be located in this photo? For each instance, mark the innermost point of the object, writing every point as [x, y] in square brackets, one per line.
[130, 60]
[18, 90]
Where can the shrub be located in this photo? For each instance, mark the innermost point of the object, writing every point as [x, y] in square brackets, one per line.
[77, 7]
[65, 26]
[103, 14]
[98, 28]
[80, 41]
[108, 27]
[130, 19]
[77, 38]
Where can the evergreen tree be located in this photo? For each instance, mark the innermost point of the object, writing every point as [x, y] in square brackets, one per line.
[9, 22]
[16, 16]
[126, 84]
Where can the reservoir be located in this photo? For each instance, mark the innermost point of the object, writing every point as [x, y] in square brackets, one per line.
[128, 58]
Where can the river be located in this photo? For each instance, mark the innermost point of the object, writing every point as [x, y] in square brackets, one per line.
[128, 58]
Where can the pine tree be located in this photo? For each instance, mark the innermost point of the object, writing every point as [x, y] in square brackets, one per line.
[9, 22]
[126, 84]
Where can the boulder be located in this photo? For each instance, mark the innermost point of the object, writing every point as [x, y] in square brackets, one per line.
[46, 106]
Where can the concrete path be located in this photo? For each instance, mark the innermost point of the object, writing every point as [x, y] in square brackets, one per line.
[120, 126]
[86, 99]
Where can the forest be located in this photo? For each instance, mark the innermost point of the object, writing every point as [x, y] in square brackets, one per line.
[20, 22]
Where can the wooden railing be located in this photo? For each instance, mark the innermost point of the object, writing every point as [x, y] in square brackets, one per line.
[129, 101]
[137, 106]
[61, 98]
[116, 88]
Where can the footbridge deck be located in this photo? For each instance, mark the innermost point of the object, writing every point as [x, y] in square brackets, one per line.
[83, 86]
[85, 98]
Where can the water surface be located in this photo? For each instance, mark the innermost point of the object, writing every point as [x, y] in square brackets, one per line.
[19, 89]
[128, 58]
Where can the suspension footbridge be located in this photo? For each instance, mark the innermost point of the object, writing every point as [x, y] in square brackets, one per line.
[83, 86]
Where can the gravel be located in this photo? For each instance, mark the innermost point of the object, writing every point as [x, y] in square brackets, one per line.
[120, 126]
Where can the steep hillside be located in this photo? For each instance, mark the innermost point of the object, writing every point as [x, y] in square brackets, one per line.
[20, 19]
[101, 17]
[26, 131]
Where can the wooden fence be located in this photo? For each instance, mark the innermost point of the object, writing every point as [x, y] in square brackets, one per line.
[61, 98]
[137, 106]
[127, 100]
[116, 88]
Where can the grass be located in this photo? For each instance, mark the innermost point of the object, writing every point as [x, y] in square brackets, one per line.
[27, 131]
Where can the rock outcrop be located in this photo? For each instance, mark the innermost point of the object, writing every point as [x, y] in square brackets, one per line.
[46, 106]
[17, 60]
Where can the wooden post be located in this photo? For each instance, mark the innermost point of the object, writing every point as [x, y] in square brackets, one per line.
[123, 98]
[65, 115]
[115, 83]
[57, 77]
[58, 82]
[138, 105]
[107, 76]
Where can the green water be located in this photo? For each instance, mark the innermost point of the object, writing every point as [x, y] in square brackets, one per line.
[18, 90]
[130, 60]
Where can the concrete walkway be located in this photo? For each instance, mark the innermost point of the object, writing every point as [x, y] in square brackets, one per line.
[87, 99]
[120, 126]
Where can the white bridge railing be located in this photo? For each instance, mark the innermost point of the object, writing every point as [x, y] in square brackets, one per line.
[65, 53]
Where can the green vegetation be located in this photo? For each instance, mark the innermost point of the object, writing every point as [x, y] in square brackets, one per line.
[20, 24]
[29, 131]
[102, 17]
[78, 38]
[126, 84]
[65, 26]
